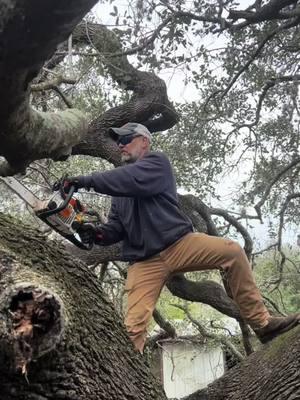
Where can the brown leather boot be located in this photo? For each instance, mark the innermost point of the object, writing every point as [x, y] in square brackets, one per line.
[277, 326]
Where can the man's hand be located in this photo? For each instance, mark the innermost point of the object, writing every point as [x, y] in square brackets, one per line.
[76, 181]
[90, 233]
[87, 233]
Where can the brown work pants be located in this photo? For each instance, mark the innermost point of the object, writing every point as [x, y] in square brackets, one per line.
[193, 252]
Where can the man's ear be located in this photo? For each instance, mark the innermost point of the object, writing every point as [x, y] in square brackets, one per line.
[146, 142]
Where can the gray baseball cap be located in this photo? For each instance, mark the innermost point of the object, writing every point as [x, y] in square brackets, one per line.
[131, 128]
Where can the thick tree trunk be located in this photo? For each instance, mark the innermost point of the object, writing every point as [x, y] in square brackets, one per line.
[60, 338]
[30, 32]
[27, 135]
[270, 374]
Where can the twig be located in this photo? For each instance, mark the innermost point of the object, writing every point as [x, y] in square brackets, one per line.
[204, 332]
[164, 324]
[248, 246]
[265, 249]
[268, 85]
[63, 96]
[52, 84]
[274, 305]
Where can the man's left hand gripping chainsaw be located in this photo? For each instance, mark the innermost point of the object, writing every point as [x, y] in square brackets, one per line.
[62, 212]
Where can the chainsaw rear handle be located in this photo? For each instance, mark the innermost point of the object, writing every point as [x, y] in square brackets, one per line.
[89, 230]
[78, 243]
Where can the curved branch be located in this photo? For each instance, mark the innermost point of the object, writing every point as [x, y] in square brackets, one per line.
[268, 85]
[274, 305]
[27, 135]
[190, 204]
[252, 58]
[164, 324]
[207, 292]
[53, 85]
[148, 105]
[145, 42]
[23, 130]
[272, 183]
[281, 214]
[281, 222]
[65, 99]
[248, 247]
[260, 47]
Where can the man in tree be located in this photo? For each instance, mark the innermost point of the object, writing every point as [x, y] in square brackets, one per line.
[158, 239]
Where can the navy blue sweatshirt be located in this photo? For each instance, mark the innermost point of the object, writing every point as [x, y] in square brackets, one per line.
[144, 211]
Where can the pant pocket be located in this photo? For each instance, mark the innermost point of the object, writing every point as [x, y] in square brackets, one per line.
[130, 279]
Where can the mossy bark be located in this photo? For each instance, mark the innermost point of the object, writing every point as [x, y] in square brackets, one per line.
[273, 373]
[92, 356]
[30, 32]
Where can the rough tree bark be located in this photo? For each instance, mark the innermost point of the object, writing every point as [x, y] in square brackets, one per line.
[60, 338]
[27, 135]
[30, 32]
[270, 374]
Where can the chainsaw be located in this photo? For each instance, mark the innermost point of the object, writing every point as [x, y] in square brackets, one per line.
[63, 212]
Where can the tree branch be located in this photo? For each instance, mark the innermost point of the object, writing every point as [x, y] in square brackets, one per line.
[164, 324]
[27, 135]
[272, 183]
[248, 247]
[205, 333]
[268, 85]
[207, 292]
[148, 102]
[51, 84]
[268, 12]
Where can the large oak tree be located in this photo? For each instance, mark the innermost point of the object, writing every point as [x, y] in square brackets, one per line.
[59, 336]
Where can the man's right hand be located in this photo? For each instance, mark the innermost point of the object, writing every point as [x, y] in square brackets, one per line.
[90, 233]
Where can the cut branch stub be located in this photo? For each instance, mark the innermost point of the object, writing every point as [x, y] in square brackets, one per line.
[33, 323]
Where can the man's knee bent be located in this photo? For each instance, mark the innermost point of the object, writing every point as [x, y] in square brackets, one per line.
[233, 248]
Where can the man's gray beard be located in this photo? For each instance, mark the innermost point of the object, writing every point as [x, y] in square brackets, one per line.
[127, 159]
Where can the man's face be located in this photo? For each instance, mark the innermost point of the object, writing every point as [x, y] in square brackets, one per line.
[134, 150]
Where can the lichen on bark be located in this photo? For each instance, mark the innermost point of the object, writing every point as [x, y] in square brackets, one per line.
[53, 134]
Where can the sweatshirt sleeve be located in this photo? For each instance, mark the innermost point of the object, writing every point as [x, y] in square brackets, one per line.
[113, 230]
[145, 177]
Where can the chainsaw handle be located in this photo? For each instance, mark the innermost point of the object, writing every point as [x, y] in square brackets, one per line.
[67, 197]
[78, 243]
[87, 234]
